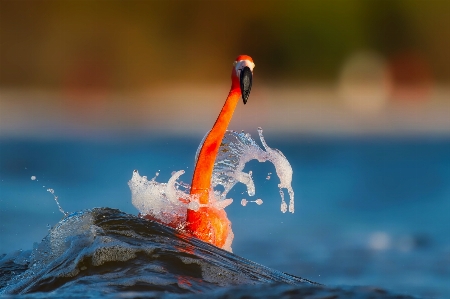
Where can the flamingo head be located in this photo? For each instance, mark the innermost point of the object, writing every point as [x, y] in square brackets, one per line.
[242, 75]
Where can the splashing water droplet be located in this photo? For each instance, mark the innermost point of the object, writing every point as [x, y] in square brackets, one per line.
[57, 202]
[162, 201]
[193, 205]
[33, 177]
[168, 202]
[239, 148]
[284, 171]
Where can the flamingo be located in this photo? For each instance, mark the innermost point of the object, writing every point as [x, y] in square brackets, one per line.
[208, 223]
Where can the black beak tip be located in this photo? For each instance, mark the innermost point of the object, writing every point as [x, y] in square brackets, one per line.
[246, 83]
[244, 99]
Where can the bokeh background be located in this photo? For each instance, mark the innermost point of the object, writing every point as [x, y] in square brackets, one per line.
[355, 93]
[327, 66]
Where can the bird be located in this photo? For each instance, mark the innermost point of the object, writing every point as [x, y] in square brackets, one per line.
[208, 223]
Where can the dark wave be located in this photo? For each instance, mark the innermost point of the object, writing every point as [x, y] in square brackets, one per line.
[105, 252]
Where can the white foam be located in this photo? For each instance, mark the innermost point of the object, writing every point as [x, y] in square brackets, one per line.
[236, 150]
[283, 169]
[168, 202]
[164, 201]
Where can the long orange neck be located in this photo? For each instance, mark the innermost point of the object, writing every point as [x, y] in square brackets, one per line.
[201, 181]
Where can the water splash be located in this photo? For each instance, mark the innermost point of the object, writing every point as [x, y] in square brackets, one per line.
[284, 171]
[236, 150]
[55, 197]
[244, 202]
[168, 202]
[57, 202]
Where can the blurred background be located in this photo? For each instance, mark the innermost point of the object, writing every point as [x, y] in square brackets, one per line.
[356, 94]
[76, 67]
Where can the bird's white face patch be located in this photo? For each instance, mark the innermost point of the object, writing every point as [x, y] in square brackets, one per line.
[239, 65]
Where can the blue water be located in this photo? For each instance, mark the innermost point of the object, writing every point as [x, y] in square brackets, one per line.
[369, 211]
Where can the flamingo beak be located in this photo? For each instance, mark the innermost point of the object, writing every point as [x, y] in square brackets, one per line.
[246, 83]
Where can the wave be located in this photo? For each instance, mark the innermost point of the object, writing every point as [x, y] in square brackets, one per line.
[108, 253]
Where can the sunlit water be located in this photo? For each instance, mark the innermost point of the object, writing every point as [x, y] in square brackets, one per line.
[368, 212]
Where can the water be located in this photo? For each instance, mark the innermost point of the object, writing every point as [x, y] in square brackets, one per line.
[368, 211]
[107, 253]
[168, 203]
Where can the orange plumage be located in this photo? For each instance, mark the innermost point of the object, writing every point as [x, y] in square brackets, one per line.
[210, 224]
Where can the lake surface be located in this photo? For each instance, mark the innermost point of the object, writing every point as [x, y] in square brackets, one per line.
[369, 211]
